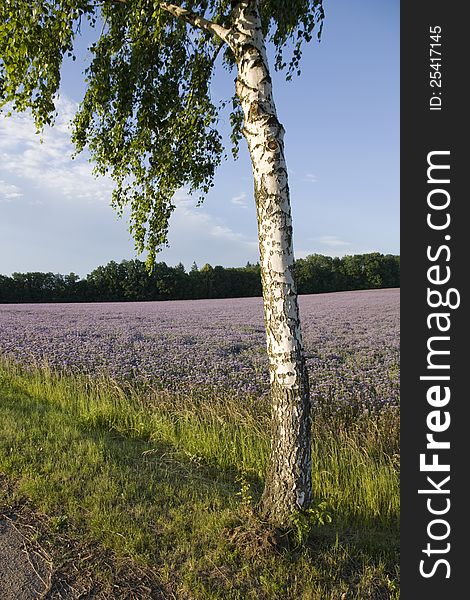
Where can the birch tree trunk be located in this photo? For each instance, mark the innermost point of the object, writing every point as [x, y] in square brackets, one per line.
[288, 483]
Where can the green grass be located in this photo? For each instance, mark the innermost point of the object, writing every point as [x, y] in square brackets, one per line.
[171, 482]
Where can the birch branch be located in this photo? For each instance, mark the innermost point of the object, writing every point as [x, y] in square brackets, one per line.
[192, 18]
[196, 20]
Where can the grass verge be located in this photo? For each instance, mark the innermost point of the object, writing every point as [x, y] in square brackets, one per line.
[170, 484]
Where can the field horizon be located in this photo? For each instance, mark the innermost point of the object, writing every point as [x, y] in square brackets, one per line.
[300, 295]
[142, 432]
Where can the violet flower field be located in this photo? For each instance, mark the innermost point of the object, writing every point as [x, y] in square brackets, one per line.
[351, 341]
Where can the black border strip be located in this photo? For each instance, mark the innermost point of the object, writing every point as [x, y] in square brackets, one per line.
[433, 119]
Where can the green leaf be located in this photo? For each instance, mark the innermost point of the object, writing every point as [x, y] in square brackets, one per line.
[147, 117]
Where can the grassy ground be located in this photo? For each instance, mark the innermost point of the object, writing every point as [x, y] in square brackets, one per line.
[171, 484]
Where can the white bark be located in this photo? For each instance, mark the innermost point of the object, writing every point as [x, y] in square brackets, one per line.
[194, 19]
[288, 483]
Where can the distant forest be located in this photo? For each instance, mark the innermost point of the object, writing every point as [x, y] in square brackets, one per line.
[130, 281]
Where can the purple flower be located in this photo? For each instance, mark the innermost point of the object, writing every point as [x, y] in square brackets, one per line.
[351, 342]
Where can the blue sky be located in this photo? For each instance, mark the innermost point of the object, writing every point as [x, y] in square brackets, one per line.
[342, 147]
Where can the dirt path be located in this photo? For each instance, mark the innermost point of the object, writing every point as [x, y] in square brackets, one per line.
[39, 564]
[24, 573]
[40, 561]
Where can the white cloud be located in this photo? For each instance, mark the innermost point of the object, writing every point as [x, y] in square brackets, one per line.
[311, 178]
[332, 241]
[47, 175]
[183, 198]
[331, 245]
[44, 160]
[240, 200]
[196, 220]
[9, 192]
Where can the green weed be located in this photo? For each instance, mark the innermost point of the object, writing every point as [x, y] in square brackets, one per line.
[166, 480]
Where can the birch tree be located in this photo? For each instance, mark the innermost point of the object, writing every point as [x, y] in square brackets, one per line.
[148, 119]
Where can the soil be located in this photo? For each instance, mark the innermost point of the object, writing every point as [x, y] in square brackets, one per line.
[24, 573]
[41, 561]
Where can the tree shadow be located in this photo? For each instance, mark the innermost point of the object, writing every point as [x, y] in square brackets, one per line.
[115, 482]
[144, 497]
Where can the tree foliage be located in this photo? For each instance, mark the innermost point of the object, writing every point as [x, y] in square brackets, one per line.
[147, 116]
[130, 280]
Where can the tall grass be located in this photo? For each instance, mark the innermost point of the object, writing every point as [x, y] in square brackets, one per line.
[354, 456]
[170, 481]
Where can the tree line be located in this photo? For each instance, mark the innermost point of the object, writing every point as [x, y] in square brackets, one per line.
[130, 280]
